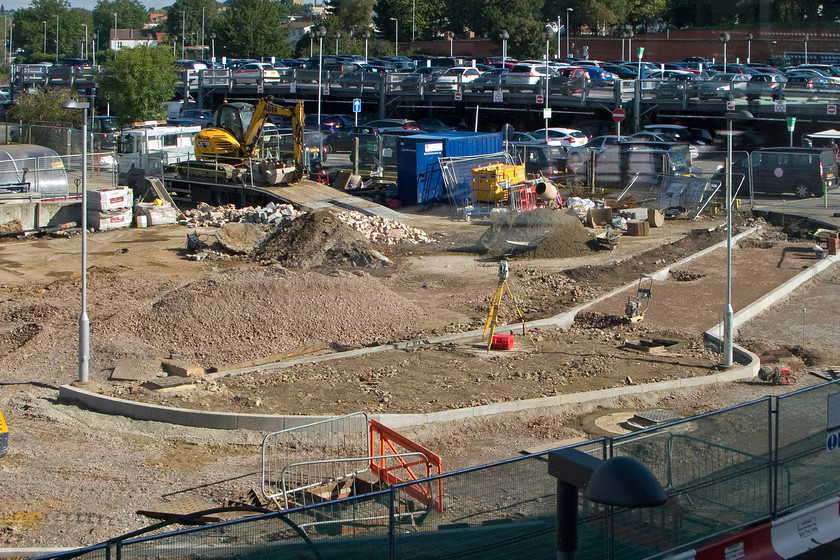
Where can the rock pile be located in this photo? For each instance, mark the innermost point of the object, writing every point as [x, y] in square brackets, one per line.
[205, 215]
[383, 230]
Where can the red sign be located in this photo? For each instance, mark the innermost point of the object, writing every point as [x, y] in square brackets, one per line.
[458, 96]
[540, 98]
[831, 109]
[326, 90]
[618, 115]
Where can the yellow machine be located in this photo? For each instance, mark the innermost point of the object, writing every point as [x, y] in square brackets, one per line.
[232, 145]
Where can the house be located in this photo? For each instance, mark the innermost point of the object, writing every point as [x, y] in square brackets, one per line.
[128, 38]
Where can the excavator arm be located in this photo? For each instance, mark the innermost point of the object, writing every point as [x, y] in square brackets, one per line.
[265, 108]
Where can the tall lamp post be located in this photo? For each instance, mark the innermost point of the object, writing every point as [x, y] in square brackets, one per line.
[366, 36]
[568, 11]
[45, 37]
[213, 46]
[413, 10]
[396, 36]
[84, 50]
[728, 312]
[174, 45]
[320, 32]
[115, 31]
[724, 38]
[183, 31]
[504, 36]
[749, 44]
[93, 40]
[311, 34]
[337, 37]
[56, 37]
[84, 322]
[451, 36]
[548, 33]
[806, 48]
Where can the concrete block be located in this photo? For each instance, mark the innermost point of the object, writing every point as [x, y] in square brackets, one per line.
[638, 229]
[182, 368]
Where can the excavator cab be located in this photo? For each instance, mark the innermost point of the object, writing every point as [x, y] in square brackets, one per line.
[235, 117]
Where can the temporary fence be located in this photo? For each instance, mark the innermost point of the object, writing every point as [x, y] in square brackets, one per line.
[723, 471]
[458, 176]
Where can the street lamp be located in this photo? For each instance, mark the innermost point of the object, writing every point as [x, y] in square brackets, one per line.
[213, 46]
[504, 36]
[84, 50]
[93, 39]
[724, 38]
[174, 45]
[450, 35]
[337, 37]
[548, 33]
[568, 11]
[728, 312]
[311, 34]
[183, 31]
[806, 48]
[749, 43]
[320, 32]
[413, 10]
[396, 36]
[56, 37]
[115, 31]
[366, 36]
[84, 322]
[45, 37]
[619, 481]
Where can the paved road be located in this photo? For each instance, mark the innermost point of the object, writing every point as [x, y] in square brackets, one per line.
[824, 210]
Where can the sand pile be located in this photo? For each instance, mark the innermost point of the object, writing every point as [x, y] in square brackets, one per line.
[316, 240]
[555, 234]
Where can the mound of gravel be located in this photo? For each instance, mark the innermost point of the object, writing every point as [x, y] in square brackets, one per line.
[555, 234]
[240, 238]
[238, 315]
[319, 240]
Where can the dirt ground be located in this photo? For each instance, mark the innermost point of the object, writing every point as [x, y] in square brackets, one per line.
[75, 477]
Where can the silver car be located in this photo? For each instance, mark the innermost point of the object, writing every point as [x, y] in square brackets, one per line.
[723, 86]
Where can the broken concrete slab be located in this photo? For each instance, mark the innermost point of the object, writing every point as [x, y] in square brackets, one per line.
[135, 368]
[167, 384]
[182, 368]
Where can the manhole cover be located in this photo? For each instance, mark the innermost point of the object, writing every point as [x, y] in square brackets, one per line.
[657, 416]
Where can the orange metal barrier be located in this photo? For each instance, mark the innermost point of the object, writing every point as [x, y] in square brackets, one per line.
[384, 441]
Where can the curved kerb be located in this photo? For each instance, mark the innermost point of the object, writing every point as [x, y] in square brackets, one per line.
[747, 365]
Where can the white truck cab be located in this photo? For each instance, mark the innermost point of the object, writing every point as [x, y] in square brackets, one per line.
[150, 146]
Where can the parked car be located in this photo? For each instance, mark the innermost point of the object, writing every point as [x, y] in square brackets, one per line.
[364, 77]
[566, 137]
[568, 81]
[201, 117]
[453, 78]
[539, 159]
[421, 78]
[804, 172]
[489, 80]
[434, 125]
[615, 166]
[254, 72]
[105, 133]
[526, 77]
[577, 155]
[723, 86]
[679, 85]
[808, 82]
[598, 77]
[345, 139]
[391, 124]
[700, 139]
[517, 136]
[623, 72]
[764, 85]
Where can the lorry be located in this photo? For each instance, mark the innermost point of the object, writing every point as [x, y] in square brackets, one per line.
[148, 148]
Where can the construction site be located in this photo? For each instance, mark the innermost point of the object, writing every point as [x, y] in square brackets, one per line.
[363, 377]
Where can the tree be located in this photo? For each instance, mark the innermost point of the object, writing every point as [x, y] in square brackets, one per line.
[35, 29]
[428, 17]
[345, 15]
[130, 15]
[137, 82]
[188, 18]
[45, 107]
[251, 29]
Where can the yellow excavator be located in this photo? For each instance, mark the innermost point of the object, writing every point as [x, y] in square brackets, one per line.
[231, 148]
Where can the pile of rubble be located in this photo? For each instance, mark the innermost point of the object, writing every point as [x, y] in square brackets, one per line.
[383, 230]
[205, 215]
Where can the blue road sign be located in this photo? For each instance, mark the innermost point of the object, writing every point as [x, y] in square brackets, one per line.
[357, 105]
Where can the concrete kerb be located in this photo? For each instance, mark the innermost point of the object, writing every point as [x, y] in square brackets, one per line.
[268, 422]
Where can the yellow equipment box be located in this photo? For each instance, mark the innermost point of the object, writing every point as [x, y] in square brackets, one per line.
[489, 183]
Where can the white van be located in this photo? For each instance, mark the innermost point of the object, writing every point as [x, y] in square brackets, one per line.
[145, 149]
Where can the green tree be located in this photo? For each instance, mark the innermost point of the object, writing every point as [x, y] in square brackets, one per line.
[184, 18]
[345, 15]
[45, 107]
[137, 82]
[39, 22]
[251, 29]
[428, 17]
[131, 14]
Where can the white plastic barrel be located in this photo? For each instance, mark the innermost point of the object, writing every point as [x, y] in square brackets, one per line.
[141, 220]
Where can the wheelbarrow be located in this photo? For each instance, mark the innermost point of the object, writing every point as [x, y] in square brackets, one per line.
[608, 239]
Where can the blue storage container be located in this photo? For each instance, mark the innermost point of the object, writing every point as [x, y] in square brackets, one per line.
[419, 180]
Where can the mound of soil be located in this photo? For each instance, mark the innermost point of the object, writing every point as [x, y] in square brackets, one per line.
[316, 240]
[550, 233]
[240, 238]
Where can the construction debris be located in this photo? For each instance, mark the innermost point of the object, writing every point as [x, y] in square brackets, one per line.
[383, 230]
[205, 215]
